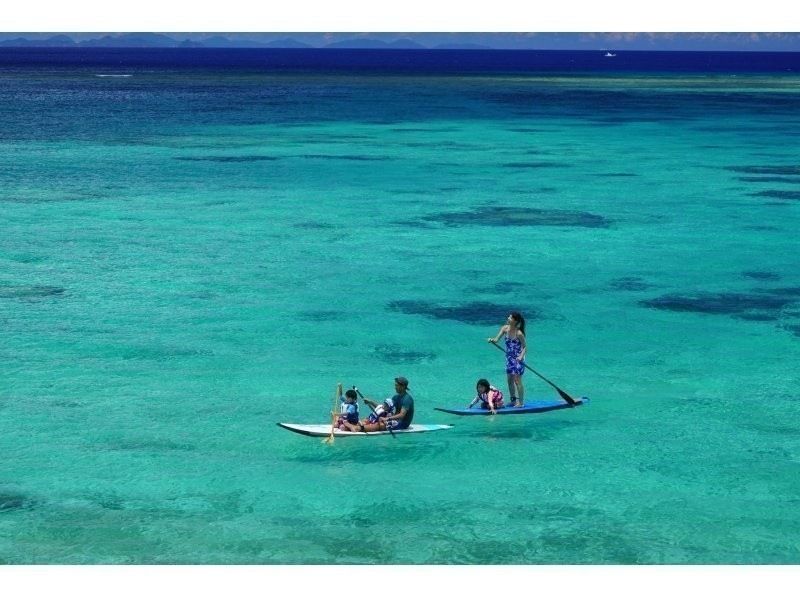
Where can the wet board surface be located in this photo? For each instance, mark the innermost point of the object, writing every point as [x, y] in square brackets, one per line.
[325, 430]
[534, 406]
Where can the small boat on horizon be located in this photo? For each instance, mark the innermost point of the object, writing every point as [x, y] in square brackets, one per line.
[609, 55]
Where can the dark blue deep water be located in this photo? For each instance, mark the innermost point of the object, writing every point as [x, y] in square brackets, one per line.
[412, 61]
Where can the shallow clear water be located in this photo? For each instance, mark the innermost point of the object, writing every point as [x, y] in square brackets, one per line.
[188, 257]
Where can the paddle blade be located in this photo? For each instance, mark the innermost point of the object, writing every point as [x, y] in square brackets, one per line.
[329, 439]
[566, 397]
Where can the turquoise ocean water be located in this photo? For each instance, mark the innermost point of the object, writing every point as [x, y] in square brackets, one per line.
[189, 256]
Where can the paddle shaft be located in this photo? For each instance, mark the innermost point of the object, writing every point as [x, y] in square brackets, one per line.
[329, 439]
[388, 427]
[564, 395]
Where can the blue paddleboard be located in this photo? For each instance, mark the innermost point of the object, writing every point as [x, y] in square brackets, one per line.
[534, 406]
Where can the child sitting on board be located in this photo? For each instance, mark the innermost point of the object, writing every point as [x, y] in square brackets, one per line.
[348, 408]
[379, 410]
[490, 397]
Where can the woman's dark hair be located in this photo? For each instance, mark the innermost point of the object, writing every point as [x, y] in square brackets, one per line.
[351, 394]
[483, 382]
[519, 320]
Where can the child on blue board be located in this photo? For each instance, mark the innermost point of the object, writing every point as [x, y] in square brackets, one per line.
[348, 408]
[488, 396]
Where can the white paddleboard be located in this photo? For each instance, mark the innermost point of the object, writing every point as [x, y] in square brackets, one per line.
[325, 429]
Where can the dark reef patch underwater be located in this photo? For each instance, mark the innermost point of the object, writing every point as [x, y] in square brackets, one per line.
[723, 303]
[226, 158]
[777, 194]
[777, 170]
[29, 291]
[480, 313]
[10, 501]
[629, 283]
[400, 355]
[761, 275]
[513, 216]
[759, 305]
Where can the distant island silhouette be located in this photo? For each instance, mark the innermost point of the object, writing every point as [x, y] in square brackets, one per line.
[159, 40]
[760, 42]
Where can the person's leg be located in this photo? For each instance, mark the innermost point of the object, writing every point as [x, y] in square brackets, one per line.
[364, 427]
[361, 426]
[520, 390]
[512, 391]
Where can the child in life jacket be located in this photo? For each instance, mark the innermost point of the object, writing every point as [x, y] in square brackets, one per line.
[379, 410]
[348, 408]
[490, 397]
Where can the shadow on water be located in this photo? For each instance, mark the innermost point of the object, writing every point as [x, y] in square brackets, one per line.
[150, 445]
[499, 288]
[761, 227]
[346, 157]
[766, 301]
[519, 216]
[776, 194]
[399, 355]
[534, 165]
[793, 328]
[759, 305]
[770, 179]
[108, 501]
[630, 283]
[553, 532]
[323, 315]
[226, 159]
[156, 353]
[424, 130]
[596, 541]
[361, 535]
[516, 427]
[768, 170]
[369, 451]
[15, 501]
[761, 275]
[481, 313]
[528, 130]
[30, 291]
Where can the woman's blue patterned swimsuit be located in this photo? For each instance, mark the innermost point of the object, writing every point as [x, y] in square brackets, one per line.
[513, 349]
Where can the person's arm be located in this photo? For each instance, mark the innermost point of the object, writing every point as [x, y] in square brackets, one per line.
[399, 415]
[524, 346]
[490, 396]
[370, 403]
[499, 334]
[475, 400]
[340, 393]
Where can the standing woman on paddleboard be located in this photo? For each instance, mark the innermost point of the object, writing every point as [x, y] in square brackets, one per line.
[514, 331]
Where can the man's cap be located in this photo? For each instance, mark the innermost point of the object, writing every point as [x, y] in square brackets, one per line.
[402, 380]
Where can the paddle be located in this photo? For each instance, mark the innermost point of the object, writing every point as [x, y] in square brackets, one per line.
[329, 439]
[564, 395]
[388, 427]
